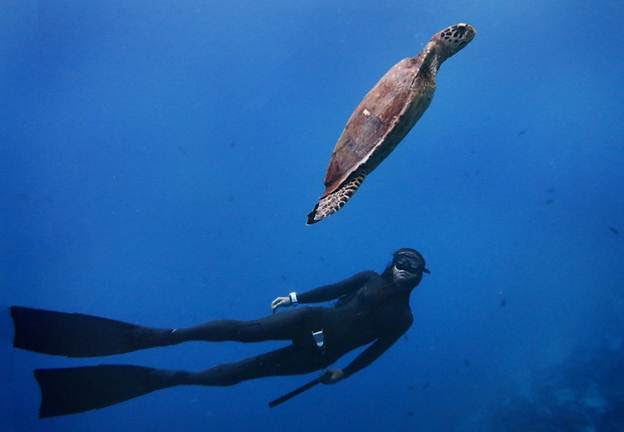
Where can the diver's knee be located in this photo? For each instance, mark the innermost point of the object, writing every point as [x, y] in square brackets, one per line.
[221, 376]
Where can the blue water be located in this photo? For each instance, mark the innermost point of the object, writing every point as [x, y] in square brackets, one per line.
[158, 160]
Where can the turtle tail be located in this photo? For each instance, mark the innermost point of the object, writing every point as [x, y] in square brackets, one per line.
[331, 203]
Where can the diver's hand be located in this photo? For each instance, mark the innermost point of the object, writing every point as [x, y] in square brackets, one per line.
[332, 376]
[280, 301]
[284, 301]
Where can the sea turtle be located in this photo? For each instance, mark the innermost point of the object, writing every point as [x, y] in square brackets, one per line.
[384, 117]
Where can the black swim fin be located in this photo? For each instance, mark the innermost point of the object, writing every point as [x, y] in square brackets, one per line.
[78, 335]
[73, 390]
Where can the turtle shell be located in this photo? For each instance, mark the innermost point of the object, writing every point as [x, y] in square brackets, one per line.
[381, 120]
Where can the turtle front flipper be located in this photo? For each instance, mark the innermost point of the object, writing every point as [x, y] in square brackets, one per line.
[334, 201]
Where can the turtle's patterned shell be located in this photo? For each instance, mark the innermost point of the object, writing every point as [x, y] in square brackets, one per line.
[384, 117]
[377, 115]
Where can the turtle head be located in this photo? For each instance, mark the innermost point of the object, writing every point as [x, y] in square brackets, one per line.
[452, 39]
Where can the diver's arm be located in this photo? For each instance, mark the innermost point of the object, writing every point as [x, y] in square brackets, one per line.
[333, 291]
[325, 293]
[370, 354]
[365, 358]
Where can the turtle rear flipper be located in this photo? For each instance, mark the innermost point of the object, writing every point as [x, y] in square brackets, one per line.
[334, 201]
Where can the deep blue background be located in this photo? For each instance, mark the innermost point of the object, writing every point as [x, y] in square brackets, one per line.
[158, 159]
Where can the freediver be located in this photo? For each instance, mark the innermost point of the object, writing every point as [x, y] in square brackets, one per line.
[370, 309]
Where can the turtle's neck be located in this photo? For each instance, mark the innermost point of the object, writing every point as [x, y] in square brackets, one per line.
[434, 55]
[439, 55]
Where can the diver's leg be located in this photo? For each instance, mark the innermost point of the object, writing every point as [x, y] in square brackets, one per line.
[79, 335]
[290, 360]
[283, 326]
[77, 389]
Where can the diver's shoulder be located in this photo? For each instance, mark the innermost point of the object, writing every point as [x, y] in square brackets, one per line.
[368, 275]
[372, 280]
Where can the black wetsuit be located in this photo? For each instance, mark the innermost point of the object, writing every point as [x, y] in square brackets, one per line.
[370, 309]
